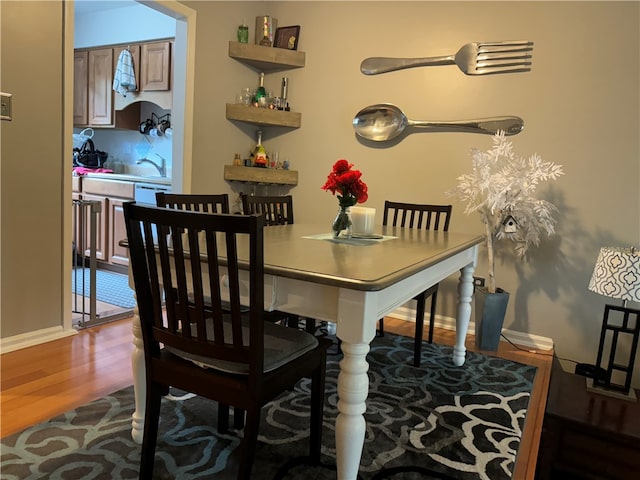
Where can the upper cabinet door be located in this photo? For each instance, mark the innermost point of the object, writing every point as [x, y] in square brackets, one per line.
[100, 86]
[80, 91]
[155, 66]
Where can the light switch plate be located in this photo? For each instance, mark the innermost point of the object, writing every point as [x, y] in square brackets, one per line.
[5, 104]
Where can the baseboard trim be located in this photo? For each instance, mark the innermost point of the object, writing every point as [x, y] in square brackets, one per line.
[522, 339]
[31, 339]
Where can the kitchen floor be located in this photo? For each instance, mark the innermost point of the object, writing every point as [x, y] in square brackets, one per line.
[105, 312]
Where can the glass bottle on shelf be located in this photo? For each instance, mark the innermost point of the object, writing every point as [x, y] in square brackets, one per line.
[260, 98]
[265, 41]
[259, 153]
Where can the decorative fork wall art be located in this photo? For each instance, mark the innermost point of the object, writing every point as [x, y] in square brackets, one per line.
[478, 58]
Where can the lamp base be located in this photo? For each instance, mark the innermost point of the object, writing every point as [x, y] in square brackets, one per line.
[631, 396]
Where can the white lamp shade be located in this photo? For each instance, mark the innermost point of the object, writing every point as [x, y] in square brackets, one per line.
[617, 274]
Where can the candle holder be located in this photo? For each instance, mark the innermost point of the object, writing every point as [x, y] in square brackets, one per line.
[362, 220]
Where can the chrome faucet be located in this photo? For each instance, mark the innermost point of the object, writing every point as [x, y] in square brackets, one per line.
[162, 168]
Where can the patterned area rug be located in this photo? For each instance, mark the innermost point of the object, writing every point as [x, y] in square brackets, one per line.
[437, 421]
[111, 287]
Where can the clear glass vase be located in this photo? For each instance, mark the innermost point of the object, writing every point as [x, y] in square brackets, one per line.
[342, 223]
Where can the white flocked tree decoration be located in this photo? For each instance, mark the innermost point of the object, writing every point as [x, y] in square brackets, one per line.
[501, 187]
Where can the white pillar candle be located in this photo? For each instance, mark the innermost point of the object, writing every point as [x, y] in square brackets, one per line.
[362, 220]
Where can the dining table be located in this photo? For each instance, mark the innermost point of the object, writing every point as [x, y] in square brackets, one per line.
[352, 282]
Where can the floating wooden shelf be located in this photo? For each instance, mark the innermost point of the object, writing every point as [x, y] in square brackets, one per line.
[263, 116]
[260, 175]
[266, 59]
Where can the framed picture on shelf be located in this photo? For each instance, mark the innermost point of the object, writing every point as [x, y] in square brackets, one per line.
[287, 37]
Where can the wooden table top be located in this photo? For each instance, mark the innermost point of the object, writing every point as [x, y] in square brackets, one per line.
[307, 252]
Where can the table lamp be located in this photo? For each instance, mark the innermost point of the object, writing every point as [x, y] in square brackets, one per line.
[616, 275]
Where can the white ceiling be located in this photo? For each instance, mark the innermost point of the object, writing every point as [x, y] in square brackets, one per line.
[91, 6]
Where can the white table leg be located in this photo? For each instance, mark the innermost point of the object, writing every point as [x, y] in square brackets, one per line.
[353, 387]
[465, 294]
[139, 379]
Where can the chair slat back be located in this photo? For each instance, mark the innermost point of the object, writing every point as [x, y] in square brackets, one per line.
[211, 203]
[414, 215]
[191, 267]
[277, 210]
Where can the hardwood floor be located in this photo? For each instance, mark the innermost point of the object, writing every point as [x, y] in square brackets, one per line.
[40, 382]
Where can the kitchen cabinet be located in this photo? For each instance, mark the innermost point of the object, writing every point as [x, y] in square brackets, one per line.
[267, 60]
[94, 102]
[155, 68]
[80, 87]
[117, 231]
[78, 228]
[99, 86]
[93, 95]
[111, 227]
[76, 185]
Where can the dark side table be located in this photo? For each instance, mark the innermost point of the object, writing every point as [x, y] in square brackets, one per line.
[587, 435]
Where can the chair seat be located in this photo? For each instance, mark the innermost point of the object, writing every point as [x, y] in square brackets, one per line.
[281, 345]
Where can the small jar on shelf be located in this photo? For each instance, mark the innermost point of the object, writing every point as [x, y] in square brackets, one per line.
[243, 32]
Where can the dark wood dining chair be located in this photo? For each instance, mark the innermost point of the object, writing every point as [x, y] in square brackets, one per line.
[194, 202]
[427, 217]
[211, 203]
[278, 210]
[230, 356]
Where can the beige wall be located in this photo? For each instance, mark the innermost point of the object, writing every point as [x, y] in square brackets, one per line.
[32, 169]
[580, 103]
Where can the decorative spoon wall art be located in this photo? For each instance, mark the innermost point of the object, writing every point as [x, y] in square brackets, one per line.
[383, 122]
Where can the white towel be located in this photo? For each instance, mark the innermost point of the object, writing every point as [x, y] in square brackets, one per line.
[124, 80]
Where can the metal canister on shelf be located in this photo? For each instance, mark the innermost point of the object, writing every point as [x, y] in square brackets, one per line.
[284, 93]
[265, 30]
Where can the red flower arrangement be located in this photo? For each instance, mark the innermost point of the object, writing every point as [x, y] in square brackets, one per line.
[346, 182]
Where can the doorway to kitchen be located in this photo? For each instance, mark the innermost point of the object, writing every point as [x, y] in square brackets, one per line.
[181, 118]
